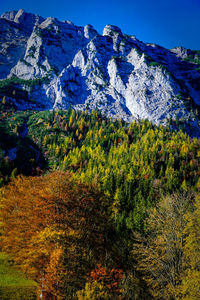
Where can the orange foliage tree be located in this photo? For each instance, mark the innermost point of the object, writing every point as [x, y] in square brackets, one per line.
[108, 277]
[55, 229]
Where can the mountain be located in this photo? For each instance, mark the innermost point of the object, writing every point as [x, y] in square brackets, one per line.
[49, 64]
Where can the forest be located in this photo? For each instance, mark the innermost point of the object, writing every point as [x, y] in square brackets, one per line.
[95, 208]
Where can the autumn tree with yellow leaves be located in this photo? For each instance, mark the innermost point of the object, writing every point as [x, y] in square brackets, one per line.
[159, 254]
[190, 286]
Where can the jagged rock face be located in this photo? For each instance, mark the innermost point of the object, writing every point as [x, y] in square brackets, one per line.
[26, 20]
[10, 15]
[52, 46]
[13, 46]
[118, 74]
[15, 30]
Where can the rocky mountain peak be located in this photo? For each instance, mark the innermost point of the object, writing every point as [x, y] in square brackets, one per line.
[181, 52]
[10, 15]
[111, 30]
[26, 20]
[49, 22]
[20, 16]
[57, 64]
[89, 31]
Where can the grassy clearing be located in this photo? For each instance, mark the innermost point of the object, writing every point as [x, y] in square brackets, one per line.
[13, 284]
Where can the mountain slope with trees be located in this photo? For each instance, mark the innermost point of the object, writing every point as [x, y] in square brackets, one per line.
[102, 225]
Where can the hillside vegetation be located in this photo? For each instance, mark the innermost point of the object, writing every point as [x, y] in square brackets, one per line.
[107, 210]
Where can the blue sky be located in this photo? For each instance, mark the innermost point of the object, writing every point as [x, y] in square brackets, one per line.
[169, 23]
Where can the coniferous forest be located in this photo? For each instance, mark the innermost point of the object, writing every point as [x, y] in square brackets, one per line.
[95, 208]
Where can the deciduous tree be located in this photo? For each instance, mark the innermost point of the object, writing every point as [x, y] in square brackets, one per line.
[55, 229]
[159, 255]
